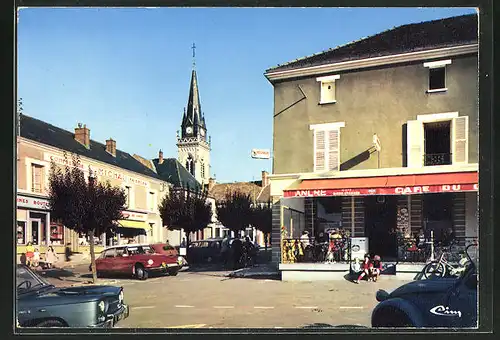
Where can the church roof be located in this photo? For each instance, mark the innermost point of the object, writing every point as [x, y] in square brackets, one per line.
[193, 114]
[448, 32]
[172, 171]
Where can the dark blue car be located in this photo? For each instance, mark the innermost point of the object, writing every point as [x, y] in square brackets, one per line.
[40, 304]
[430, 303]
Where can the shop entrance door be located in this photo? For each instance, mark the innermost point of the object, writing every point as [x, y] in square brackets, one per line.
[380, 226]
[35, 231]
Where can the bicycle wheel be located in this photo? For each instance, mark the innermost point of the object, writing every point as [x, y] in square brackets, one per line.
[434, 269]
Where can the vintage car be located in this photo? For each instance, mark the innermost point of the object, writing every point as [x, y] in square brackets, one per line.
[138, 260]
[40, 304]
[204, 251]
[168, 250]
[431, 303]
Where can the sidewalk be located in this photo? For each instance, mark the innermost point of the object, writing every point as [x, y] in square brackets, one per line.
[61, 277]
[259, 271]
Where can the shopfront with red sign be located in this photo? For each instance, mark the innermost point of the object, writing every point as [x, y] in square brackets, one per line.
[386, 209]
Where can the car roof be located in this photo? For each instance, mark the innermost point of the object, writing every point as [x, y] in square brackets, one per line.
[129, 245]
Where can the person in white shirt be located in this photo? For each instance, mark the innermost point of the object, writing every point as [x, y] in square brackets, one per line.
[305, 239]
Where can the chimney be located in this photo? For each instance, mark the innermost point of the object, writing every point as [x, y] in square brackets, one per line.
[82, 135]
[265, 180]
[160, 157]
[211, 183]
[111, 147]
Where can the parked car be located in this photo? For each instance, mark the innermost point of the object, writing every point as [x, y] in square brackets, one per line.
[436, 302]
[168, 250]
[41, 304]
[138, 260]
[205, 251]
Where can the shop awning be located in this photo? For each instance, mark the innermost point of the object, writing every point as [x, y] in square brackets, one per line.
[386, 185]
[134, 224]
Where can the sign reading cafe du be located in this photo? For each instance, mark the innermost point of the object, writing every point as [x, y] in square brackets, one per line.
[84, 166]
[409, 190]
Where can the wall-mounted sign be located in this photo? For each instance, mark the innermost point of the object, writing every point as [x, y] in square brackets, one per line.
[32, 203]
[135, 216]
[261, 153]
[409, 190]
[98, 171]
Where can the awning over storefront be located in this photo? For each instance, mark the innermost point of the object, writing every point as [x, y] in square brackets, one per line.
[134, 224]
[386, 185]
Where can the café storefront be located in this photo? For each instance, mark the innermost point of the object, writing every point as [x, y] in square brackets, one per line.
[387, 208]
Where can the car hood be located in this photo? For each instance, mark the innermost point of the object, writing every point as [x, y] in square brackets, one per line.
[90, 292]
[424, 286]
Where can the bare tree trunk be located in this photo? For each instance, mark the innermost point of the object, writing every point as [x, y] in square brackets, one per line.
[92, 256]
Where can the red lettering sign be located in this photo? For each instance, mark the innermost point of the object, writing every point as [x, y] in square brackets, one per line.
[409, 190]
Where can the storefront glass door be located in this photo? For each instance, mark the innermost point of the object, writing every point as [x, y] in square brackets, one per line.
[35, 231]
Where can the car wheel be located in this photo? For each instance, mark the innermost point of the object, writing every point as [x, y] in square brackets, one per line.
[50, 323]
[140, 272]
[392, 317]
[173, 272]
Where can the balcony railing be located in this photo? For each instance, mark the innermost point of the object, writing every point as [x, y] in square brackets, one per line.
[431, 159]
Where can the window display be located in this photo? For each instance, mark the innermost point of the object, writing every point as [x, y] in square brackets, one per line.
[21, 232]
[56, 234]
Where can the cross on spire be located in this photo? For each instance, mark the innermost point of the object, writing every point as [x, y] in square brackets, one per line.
[194, 55]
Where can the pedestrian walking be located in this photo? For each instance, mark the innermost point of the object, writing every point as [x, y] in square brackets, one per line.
[67, 252]
[237, 249]
[51, 257]
[36, 258]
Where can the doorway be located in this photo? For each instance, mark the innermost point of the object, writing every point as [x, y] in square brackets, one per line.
[380, 225]
[35, 231]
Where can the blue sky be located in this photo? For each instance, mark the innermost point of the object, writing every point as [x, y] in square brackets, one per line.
[125, 72]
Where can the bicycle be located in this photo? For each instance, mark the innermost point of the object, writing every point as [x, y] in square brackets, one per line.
[442, 267]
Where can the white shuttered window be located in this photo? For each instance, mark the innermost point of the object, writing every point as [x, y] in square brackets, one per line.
[415, 144]
[326, 150]
[460, 144]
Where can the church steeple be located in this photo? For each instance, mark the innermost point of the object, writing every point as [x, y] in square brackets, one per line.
[193, 121]
[193, 143]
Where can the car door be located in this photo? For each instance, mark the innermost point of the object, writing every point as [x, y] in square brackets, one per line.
[106, 263]
[463, 301]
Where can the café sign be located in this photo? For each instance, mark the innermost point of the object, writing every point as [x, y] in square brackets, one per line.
[98, 171]
[135, 216]
[407, 190]
[32, 203]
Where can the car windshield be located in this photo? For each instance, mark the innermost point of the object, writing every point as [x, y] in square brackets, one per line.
[27, 280]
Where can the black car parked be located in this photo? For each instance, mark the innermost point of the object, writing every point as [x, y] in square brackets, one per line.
[41, 304]
[430, 303]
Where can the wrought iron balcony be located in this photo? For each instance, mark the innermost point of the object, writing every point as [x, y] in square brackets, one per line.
[431, 159]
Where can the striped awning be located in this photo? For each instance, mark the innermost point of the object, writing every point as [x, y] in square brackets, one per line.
[134, 224]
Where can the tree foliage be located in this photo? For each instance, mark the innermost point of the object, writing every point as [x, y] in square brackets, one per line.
[88, 207]
[261, 219]
[186, 209]
[234, 212]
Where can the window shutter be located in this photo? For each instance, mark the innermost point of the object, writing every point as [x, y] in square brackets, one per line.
[460, 143]
[333, 149]
[415, 144]
[319, 152]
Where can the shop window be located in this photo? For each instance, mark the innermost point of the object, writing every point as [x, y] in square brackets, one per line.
[56, 234]
[21, 232]
[438, 214]
[37, 178]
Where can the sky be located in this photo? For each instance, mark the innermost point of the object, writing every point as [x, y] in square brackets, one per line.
[125, 72]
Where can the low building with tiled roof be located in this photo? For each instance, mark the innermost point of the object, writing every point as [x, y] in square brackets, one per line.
[259, 192]
[40, 144]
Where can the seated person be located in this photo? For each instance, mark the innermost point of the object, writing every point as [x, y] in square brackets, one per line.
[376, 269]
[366, 267]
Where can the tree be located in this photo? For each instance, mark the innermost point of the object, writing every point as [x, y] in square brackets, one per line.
[186, 209]
[234, 212]
[261, 219]
[90, 208]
